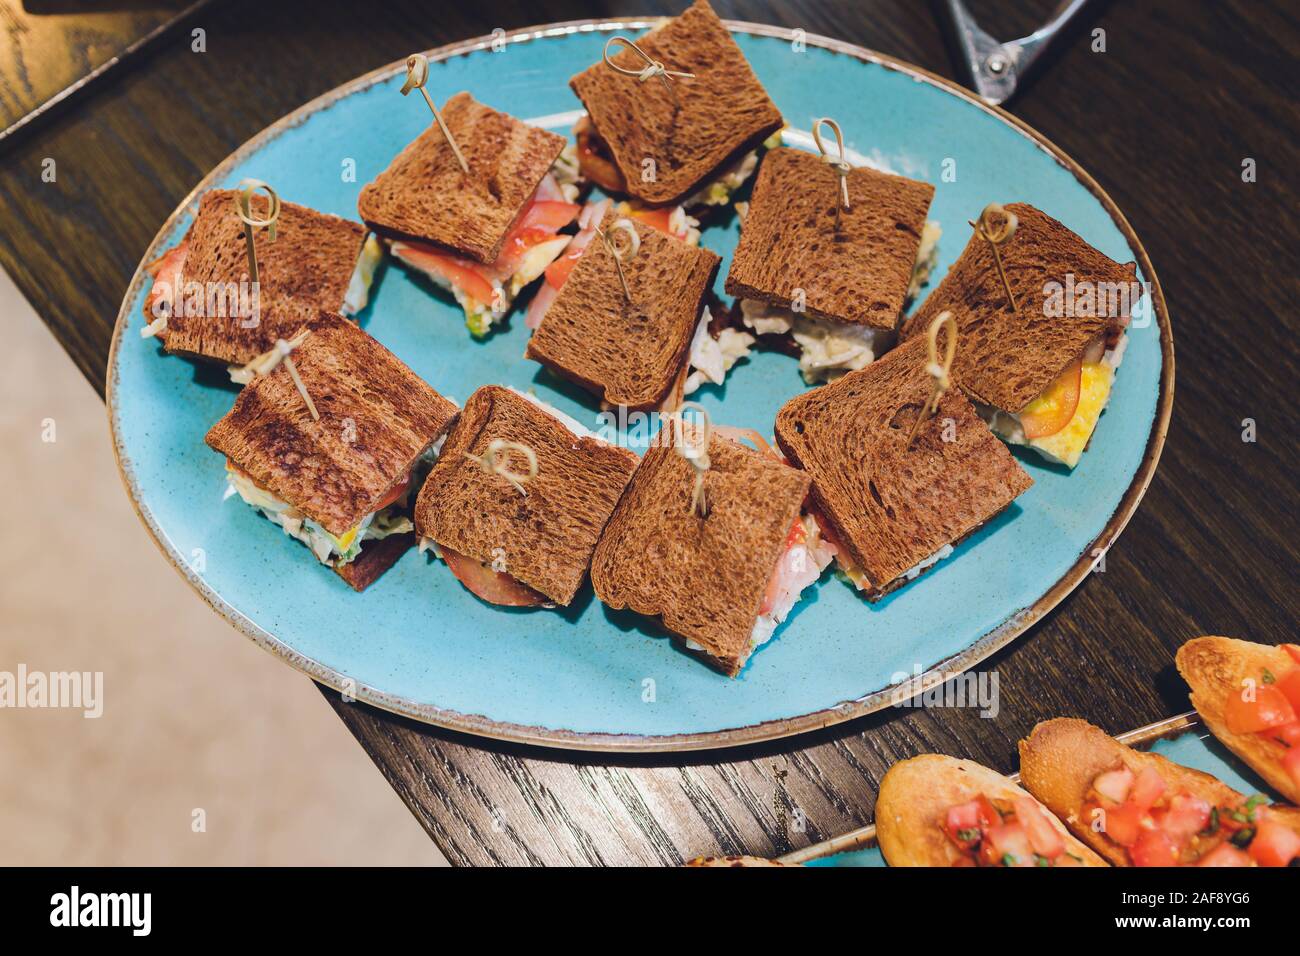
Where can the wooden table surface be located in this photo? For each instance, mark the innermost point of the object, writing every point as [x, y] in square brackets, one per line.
[1163, 119]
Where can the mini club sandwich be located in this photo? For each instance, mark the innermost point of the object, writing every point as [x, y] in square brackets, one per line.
[202, 304]
[693, 146]
[1249, 696]
[1039, 379]
[528, 545]
[830, 287]
[943, 811]
[482, 236]
[645, 353]
[723, 582]
[341, 484]
[1139, 809]
[894, 511]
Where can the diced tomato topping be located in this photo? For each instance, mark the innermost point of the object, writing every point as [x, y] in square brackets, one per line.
[1187, 816]
[1114, 785]
[1269, 708]
[1010, 844]
[495, 587]
[1291, 764]
[963, 825]
[1293, 650]
[1123, 824]
[1289, 685]
[1225, 854]
[1287, 734]
[1147, 789]
[397, 492]
[1154, 848]
[1052, 411]
[1043, 836]
[1274, 844]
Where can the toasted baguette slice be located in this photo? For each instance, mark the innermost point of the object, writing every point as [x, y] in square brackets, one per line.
[890, 506]
[628, 354]
[1061, 758]
[424, 194]
[716, 117]
[544, 538]
[377, 417]
[855, 268]
[306, 269]
[704, 577]
[914, 800]
[1006, 358]
[732, 861]
[1215, 667]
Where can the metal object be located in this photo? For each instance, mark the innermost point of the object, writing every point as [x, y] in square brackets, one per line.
[995, 69]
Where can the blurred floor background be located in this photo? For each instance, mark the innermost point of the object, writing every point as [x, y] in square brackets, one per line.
[195, 716]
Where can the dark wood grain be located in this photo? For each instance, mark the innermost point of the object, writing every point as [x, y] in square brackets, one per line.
[1163, 119]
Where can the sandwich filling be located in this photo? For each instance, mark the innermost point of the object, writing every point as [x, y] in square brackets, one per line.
[829, 349]
[335, 550]
[711, 358]
[486, 291]
[1059, 423]
[804, 558]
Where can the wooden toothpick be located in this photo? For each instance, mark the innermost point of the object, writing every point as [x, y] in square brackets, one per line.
[244, 207]
[939, 372]
[995, 225]
[417, 74]
[697, 455]
[626, 227]
[496, 461]
[652, 66]
[840, 165]
[267, 362]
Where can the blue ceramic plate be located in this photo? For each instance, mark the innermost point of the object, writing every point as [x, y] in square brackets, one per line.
[418, 643]
[1182, 739]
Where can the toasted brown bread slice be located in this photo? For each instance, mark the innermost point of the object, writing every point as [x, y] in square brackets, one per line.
[376, 418]
[1061, 758]
[704, 577]
[915, 796]
[628, 354]
[375, 558]
[1215, 667]
[889, 506]
[424, 194]
[1008, 358]
[718, 116]
[307, 269]
[544, 538]
[856, 269]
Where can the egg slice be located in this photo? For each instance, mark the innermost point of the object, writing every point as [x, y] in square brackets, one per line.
[1066, 445]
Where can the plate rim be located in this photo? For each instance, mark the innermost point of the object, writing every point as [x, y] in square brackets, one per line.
[1017, 623]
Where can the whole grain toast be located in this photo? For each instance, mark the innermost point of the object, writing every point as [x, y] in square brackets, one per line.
[704, 577]
[425, 195]
[1007, 359]
[891, 506]
[544, 538]
[627, 354]
[1215, 667]
[915, 796]
[717, 117]
[305, 270]
[852, 268]
[376, 418]
[1061, 758]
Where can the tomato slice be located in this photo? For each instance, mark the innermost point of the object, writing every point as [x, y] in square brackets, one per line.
[658, 218]
[495, 587]
[166, 272]
[1274, 844]
[1043, 836]
[1154, 848]
[1270, 708]
[468, 276]
[548, 216]
[398, 490]
[796, 536]
[1225, 854]
[1289, 685]
[1051, 411]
